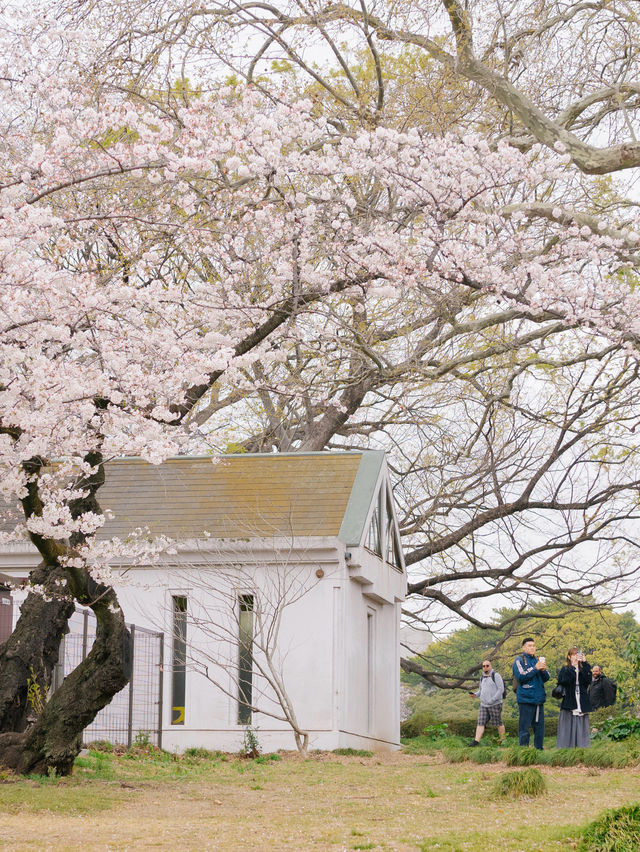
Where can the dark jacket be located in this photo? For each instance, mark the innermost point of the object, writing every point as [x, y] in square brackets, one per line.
[567, 678]
[602, 692]
[531, 681]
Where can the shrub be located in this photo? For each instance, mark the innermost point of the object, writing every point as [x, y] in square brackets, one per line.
[353, 752]
[522, 756]
[101, 745]
[250, 743]
[565, 756]
[142, 740]
[435, 732]
[526, 782]
[616, 830]
[485, 754]
[202, 753]
[415, 726]
[461, 727]
[550, 726]
[618, 728]
[455, 754]
[597, 717]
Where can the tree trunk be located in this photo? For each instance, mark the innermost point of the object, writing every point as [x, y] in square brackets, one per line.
[32, 649]
[302, 741]
[51, 740]
[54, 740]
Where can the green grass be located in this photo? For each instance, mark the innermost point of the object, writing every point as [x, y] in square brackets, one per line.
[606, 755]
[352, 752]
[97, 764]
[603, 754]
[524, 782]
[203, 754]
[616, 830]
[265, 758]
[427, 745]
[324, 802]
[31, 796]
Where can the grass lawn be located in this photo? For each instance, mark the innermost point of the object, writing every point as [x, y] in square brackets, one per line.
[326, 802]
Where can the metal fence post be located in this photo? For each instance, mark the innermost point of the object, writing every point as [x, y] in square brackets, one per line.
[160, 688]
[132, 629]
[142, 708]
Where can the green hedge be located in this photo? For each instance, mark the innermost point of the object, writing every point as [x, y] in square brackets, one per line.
[415, 726]
[602, 755]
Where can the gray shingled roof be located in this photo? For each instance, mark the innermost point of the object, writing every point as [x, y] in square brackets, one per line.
[242, 496]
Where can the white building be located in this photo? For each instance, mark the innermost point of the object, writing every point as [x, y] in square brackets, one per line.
[281, 601]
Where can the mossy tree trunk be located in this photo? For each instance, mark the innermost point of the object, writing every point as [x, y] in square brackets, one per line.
[31, 652]
[52, 740]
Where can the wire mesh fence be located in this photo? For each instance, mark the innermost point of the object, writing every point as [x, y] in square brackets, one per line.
[136, 711]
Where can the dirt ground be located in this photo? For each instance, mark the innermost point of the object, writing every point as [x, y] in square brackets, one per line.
[390, 802]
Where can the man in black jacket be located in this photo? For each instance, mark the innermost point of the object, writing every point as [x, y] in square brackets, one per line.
[602, 691]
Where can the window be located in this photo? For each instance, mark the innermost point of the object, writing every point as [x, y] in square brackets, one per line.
[245, 659]
[373, 536]
[179, 662]
[393, 546]
[382, 535]
[371, 669]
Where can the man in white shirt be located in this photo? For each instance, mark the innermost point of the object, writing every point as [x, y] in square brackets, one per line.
[490, 692]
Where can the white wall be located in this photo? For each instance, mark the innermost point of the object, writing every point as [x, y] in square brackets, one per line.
[340, 696]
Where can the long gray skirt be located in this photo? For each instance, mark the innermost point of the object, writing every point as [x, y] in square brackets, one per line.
[573, 731]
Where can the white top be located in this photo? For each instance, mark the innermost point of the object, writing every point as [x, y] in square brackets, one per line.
[578, 710]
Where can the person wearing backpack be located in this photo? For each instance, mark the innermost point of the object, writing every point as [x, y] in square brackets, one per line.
[530, 675]
[491, 692]
[602, 691]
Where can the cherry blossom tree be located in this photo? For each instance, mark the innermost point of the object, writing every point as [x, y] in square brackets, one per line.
[562, 75]
[165, 253]
[553, 72]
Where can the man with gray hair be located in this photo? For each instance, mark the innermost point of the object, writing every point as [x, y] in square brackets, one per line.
[491, 694]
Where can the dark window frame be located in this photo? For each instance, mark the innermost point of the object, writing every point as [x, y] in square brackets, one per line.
[246, 606]
[179, 659]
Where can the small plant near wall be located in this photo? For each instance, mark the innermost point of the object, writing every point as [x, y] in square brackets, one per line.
[250, 743]
[142, 740]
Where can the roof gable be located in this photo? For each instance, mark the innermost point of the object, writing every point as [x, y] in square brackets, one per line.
[364, 489]
[380, 531]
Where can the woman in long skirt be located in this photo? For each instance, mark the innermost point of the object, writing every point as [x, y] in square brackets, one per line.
[573, 723]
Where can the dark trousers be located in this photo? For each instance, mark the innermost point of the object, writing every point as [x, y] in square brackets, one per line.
[531, 716]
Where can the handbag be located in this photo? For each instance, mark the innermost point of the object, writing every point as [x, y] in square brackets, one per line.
[558, 692]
